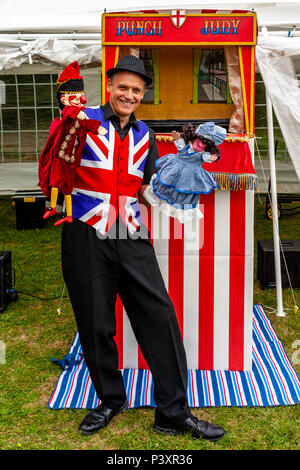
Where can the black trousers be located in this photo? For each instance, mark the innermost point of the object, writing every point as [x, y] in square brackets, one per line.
[95, 271]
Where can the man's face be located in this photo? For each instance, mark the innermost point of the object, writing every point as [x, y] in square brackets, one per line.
[126, 92]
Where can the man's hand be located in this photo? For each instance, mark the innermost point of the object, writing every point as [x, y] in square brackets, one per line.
[141, 198]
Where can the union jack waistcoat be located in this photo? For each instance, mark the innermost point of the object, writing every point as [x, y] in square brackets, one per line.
[110, 175]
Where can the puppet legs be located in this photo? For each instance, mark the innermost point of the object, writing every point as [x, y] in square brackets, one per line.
[68, 218]
[52, 208]
[53, 200]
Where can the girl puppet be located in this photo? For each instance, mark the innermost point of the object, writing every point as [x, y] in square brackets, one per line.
[62, 153]
[180, 179]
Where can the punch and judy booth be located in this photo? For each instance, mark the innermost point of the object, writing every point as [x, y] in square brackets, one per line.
[202, 65]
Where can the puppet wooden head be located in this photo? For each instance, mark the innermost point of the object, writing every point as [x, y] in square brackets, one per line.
[70, 87]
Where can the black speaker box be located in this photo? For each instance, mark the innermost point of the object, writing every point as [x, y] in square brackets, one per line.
[266, 263]
[5, 279]
[30, 208]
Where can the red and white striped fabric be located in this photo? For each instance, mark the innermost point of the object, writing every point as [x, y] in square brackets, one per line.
[209, 276]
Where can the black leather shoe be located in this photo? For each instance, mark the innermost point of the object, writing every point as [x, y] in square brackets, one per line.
[99, 418]
[196, 427]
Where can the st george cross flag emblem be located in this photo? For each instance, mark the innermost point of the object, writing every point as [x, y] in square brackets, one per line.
[178, 17]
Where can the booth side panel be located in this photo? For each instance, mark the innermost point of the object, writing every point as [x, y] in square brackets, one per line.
[247, 68]
[110, 56]
[249, 269]
[237, 283]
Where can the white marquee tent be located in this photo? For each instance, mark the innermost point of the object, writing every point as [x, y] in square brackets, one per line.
[48, 36]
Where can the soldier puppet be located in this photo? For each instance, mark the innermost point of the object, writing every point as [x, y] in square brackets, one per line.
[62, 153]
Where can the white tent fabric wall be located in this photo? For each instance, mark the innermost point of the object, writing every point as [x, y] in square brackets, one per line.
[45, 50]
[275, 60]
[274, 57]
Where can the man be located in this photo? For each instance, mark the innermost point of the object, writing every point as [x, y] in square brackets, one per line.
[97, 268]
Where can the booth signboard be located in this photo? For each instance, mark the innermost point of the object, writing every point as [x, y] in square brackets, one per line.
[203, 68]
[208, 58]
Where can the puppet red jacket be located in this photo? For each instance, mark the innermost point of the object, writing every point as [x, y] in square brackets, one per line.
[62, 153]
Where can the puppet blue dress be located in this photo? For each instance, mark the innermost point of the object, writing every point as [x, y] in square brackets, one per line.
[180, 179]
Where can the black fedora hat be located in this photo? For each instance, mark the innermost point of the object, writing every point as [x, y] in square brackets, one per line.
[130, 63]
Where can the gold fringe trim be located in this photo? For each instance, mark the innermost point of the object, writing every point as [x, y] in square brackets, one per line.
[240, 138]
[229, 138]
[164, 138]
[235, 182]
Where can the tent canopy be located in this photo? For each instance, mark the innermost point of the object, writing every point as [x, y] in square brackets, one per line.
[54, 16]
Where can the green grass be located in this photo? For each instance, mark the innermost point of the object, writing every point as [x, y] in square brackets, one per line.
[33, 333]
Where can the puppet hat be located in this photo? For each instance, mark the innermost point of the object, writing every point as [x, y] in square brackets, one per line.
[69, 81]
[212, 132]
[71, 72]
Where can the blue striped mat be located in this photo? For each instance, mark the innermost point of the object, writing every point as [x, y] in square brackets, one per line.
[272, 380]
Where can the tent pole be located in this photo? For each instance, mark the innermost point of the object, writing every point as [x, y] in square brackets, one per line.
[280, 312]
